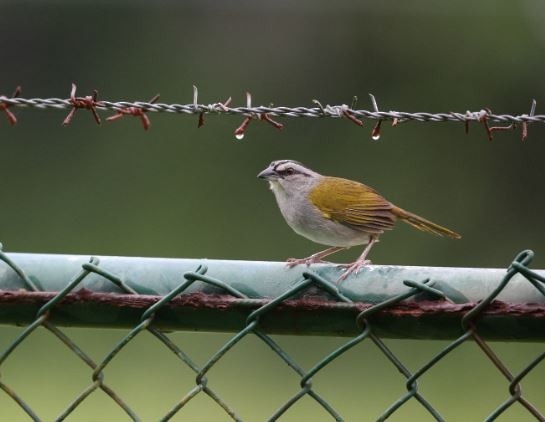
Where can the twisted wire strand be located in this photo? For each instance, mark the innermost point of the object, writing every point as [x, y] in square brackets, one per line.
[333, 111]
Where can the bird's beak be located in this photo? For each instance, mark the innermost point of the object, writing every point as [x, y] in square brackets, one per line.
[268, 174]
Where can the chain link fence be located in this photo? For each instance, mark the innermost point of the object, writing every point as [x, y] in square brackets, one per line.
[26, 294]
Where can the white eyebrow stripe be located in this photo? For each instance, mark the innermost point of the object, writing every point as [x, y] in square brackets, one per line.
[296, 164]
[282, 166]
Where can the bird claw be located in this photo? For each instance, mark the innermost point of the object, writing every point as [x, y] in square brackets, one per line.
[352, 268]
[293, 262]
[366, 262]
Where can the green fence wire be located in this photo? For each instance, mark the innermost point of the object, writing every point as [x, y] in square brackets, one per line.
[471, 320]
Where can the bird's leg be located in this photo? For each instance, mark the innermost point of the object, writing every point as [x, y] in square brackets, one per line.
[314, 258]
[361, 262]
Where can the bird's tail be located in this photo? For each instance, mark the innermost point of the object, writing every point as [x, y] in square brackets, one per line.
[423, 224]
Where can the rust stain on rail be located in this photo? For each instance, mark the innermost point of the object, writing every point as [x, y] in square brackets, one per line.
[306, 304]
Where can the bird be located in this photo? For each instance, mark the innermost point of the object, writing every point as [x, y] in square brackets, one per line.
[336, 212]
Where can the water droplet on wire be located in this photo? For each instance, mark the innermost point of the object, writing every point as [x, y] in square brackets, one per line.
[239, 136]
[375, 133]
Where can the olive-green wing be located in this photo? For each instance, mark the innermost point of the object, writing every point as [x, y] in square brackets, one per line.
[353, 204]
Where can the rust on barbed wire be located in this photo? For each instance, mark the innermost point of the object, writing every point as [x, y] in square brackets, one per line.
[136, 112]
[5, 107]
[89, 102]
[266, 113]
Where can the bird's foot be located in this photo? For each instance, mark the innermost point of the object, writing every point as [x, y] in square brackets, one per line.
[352, 268]
[314, 258]
[293, 262]
[366, 262]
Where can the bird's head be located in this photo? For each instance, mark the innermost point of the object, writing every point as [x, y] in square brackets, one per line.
[288, 175]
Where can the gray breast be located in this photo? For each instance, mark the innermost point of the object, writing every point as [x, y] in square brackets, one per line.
[306, 220]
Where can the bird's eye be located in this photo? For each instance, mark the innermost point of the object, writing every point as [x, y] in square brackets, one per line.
[290, 170]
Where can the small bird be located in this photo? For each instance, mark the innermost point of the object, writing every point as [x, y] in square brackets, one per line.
[337, 212]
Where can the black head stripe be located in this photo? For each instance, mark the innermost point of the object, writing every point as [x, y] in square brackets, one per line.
[289, 167]
[277, 164]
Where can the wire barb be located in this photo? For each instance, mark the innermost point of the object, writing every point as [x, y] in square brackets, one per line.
[241, 130]
[320, 107]
[375, 133]
[491, 129]
[136, 112]
[348, 113]
[5, 107]
[484, 115]
[88, 102]
[196, 106]
[525, 124]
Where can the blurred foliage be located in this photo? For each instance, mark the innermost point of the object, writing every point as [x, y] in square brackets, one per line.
[180, 191]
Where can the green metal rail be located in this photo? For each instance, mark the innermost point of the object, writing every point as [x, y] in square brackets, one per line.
[260, 298]
[206, 305]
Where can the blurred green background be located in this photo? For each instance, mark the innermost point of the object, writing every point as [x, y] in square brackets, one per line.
[179, 191]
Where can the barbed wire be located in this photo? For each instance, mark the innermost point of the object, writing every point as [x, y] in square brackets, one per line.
[265, 113]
